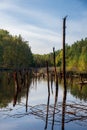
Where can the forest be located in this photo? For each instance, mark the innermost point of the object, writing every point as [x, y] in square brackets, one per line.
[76, 57]
[15, 52]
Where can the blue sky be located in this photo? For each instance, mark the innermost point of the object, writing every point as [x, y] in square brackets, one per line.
[40, 21]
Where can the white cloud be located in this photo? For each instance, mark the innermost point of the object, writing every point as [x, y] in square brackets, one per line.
[38, 37]
[29, 14]
[76, 29]
[42, 30]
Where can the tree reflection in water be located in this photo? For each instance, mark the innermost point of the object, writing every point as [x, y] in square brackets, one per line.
[57, 113]
[64, 105]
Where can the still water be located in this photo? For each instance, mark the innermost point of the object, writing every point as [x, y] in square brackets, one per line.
[37, 106]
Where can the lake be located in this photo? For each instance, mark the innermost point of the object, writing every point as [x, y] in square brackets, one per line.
[41, 105]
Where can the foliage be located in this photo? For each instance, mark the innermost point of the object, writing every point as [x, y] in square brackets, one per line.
[76, 56]
[14, 51]
[40, 60]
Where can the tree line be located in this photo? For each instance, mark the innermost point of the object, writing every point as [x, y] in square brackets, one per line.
[76, 57]
[16, 53]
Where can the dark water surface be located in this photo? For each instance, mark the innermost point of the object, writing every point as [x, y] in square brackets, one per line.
[35, 107]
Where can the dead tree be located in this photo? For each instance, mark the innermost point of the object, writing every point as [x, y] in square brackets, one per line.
[64, 63]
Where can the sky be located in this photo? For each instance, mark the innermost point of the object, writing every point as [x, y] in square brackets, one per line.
[40, 21]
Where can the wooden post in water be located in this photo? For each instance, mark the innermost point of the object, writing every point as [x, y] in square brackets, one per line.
[64, 63]
[48, 77]
[54, 59]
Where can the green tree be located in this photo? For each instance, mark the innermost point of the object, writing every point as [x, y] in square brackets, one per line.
[15, 52]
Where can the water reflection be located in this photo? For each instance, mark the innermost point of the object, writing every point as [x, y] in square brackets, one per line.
[47, 112]
[17, 89]
[55, 102]
[21, 80]
[55, 108]
[64, 106]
